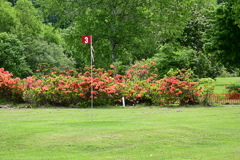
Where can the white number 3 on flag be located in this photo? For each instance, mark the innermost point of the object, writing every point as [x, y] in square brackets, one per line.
[86, 40]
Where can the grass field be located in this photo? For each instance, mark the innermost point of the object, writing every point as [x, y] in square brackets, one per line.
[221, 82]
[117, 134]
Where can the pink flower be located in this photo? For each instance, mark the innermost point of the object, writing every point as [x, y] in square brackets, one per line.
[180, 92]
[196, 93]
[93, 92]
[112, 66]
[153, 63]
[163, 87]
[139, 95]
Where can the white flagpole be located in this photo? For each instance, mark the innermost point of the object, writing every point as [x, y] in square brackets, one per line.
[91, 56]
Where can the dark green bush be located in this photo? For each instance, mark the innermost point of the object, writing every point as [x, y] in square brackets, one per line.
[233, 87]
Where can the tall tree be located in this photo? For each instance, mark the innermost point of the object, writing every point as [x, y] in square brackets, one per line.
[222, 38]
[194, 30]
[12, 1]
[8, 19]
[122, 30]
[235, 4]
[30, 20]
[12, 56]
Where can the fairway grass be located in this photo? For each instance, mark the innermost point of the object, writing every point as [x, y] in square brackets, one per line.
[120, 134]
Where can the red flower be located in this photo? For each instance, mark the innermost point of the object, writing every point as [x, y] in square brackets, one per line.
[163, 87]
[94, 92]
[139, 95]
[196, 93]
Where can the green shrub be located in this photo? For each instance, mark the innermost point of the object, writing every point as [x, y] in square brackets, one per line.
[172, 57]
[233, 87]
[13, 57]
[207, 85]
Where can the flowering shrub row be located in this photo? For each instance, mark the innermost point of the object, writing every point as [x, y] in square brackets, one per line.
[140, 84]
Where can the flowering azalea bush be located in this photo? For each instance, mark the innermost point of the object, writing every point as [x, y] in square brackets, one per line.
[68, 89]
[10, 88]
[172, 89]
[55, 90]
[139, 79]
[179, 86]
[138, 85]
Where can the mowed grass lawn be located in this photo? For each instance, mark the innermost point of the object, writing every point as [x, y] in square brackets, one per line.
[117, 134]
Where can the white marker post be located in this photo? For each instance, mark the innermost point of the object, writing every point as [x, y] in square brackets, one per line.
[123, 102]
[88, 40]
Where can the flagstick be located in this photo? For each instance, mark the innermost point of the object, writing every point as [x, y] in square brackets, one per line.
[88, 40]
[91, 78]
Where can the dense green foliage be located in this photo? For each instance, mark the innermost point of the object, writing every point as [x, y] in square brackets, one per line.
[235, 87]
[8, 17]
[25, 42]
[235, 5]
[12, 55]
[123, 31]
[200, 35]
[172, 57]
[222, 37]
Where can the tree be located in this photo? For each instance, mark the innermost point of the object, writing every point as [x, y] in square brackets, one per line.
[12, 1]
[26, 42]
[193, 32]
[122, 31]
[8, 19]
[42, 52]
[235, 4]
[176, 57]
[12, 56]
[30, 21]
[222, 38]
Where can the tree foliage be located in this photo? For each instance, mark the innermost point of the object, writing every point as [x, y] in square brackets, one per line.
[32, 25]
[12, 55]
[172, 57]
[222, 38]
[26, 41]
[8, 19]
[122, 30]
[235, 4]
[40, 51]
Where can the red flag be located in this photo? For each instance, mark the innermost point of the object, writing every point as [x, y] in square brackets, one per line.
[86, 39]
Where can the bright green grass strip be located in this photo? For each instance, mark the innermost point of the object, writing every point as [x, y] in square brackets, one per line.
[220, 83]
[117, 134]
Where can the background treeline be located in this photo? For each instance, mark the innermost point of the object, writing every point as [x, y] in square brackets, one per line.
[201, 35]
